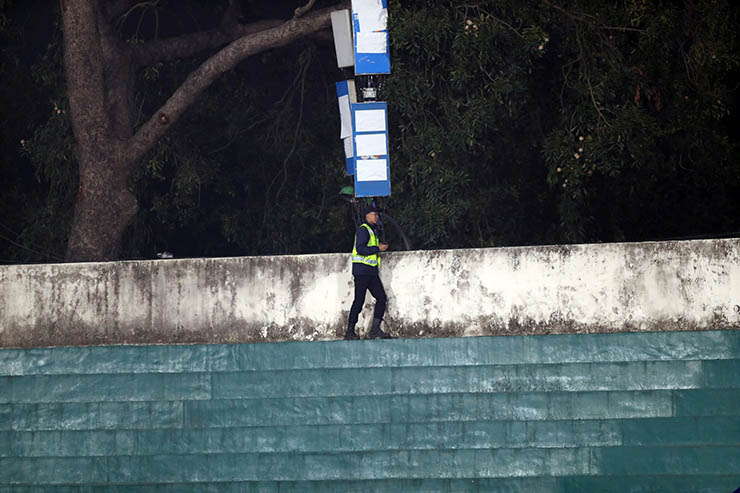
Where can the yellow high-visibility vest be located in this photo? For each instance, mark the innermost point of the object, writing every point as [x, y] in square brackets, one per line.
[371, 260]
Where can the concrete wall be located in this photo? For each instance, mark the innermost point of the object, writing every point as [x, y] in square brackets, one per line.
[525, 290]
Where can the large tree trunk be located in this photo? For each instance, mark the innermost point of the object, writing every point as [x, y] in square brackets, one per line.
[100, 71]
[103, 209]
[99, 80]
[84, 70]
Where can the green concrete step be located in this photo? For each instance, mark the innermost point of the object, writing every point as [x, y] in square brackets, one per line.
[106, 387]
[92, 416]
[573, 484]
[554, 377]
[695, 431]
[522, 406]
[608, 412]
[573, 377]
[462, 407]
[583, 348]
[413, 464]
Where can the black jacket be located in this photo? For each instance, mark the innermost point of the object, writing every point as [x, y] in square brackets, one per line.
[363, 237]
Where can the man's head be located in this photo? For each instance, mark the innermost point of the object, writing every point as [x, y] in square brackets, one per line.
[371, 214]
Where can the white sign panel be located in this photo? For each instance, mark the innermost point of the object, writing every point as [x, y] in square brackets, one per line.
[372, 170]
[371, 15]
[348, 152]
[372, 42]
[370, 120]
[371, 145]
[345, 116]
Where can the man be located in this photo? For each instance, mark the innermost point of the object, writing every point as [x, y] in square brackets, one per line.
[365, 264]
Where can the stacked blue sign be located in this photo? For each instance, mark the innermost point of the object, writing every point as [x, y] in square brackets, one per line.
[370, 132]
[370, 27]
[364, 129]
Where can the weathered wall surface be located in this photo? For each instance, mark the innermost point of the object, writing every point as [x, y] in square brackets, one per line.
[526, 290]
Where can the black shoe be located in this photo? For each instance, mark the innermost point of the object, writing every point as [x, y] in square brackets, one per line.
[376, 333]
[349, 334]
[379, 334]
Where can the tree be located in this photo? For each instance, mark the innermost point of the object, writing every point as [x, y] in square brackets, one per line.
[467, 109]
[253, 168]
[25, 107]
[532, 122]
[488, 102]
[100, 71]
[644, 146]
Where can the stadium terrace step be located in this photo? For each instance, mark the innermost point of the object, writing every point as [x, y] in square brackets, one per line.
[594, 412]
[555, 377]
[324, 355]
[452, 435]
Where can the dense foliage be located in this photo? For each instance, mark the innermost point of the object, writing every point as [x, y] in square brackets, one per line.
[253, 168]
[528, 122]
[512, 123]
[38, 163]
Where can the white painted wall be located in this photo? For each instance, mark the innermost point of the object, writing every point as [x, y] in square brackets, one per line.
[576, 288]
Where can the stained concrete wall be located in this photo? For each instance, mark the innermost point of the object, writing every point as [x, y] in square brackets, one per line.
[525, 290]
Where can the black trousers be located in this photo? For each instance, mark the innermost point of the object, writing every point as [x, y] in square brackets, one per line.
[362, 284]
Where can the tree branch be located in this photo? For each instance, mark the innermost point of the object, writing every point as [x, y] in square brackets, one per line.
[116, 8]
[302, 10]
[185, 46]
[211, 69]
[589, 19]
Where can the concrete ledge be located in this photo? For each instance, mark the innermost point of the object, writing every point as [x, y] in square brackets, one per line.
[655, 286]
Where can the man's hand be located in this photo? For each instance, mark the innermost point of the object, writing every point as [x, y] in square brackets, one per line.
[383, 247]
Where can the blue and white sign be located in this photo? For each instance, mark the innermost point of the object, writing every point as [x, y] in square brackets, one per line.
[370, 26]
[349, 155]
[370, 139]
[345, 98]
